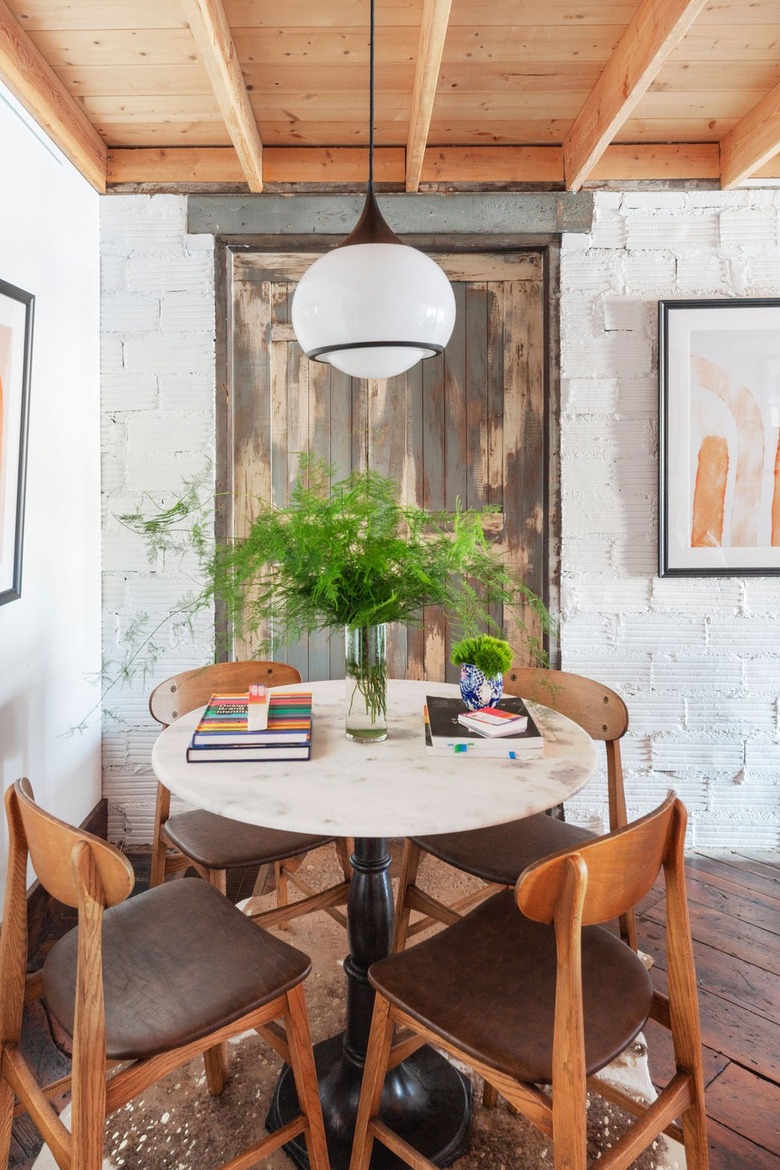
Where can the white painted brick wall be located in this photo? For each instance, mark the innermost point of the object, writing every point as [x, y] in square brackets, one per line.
[698, 660]
[158, 337]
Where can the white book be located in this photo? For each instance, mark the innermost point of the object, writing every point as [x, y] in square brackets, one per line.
[492, 722]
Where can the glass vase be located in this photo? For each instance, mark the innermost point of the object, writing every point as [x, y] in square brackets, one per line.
[366, 670]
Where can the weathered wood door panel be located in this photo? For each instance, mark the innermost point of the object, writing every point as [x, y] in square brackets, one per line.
[470, 425]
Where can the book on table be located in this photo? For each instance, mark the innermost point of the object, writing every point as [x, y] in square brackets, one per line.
[445, 735]
[225, 720]
[253, 753]
[493, 722]
[223, 735]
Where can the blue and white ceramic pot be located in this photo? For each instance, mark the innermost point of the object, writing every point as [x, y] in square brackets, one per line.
[478, 689]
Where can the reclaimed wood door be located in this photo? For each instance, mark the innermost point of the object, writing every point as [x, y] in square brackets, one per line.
[469, 425]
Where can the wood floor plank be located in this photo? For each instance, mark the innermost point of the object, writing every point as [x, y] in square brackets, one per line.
[743, 1103]
[650, 899]
[732, 1151]
[764, 859]
[734, 901]
[736, 1032]
[768, 870]
[762, 883]
[732, 979]
[661, 1056]
[733, 936]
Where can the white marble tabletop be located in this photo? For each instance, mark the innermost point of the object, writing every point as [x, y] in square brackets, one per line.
[388, 789]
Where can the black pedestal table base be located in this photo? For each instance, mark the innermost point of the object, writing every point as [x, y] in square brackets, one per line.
[426, 1100]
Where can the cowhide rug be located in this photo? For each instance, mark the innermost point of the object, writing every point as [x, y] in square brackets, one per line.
[177, 1125]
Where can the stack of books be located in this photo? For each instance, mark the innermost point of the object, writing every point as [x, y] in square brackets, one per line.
[506, 731]
[223, 734]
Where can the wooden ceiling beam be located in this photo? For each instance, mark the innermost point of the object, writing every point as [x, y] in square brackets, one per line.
[32, 80]
[219, 164]
[211, 31]
[673, 160]
[433, 31]
[483, 166]
[752, 142]
[656, 29]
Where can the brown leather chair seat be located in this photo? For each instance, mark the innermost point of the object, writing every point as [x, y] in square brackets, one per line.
[500, 853]
[217, 842]
[503, 1012]
[164, 971]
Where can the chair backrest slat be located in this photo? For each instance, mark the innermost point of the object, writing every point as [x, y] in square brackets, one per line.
[51, 843]
[621, 868]
[192, 688]
[599, 710]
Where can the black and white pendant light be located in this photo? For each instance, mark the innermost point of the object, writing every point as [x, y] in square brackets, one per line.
[373, 306]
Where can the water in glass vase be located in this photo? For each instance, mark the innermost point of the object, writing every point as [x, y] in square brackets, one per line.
[366, 668]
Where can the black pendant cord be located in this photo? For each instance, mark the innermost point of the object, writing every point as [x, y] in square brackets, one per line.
[371, 227]
[371, 98]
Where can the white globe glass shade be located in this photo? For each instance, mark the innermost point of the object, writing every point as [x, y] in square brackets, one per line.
[373, 293]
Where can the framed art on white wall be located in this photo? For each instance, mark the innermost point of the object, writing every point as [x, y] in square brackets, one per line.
[719, 427]
[16, 323]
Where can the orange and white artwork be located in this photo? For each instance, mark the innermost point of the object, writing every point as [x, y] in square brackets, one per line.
[15, 346]
[720, 428]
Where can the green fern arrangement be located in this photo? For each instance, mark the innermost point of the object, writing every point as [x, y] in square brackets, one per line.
[342, 554]
[339, 554]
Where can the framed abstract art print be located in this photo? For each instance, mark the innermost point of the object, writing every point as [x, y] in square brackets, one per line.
[16, 322]
[719, 426]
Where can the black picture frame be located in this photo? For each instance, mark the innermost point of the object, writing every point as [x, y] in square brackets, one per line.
[718, 437]
[16, 338]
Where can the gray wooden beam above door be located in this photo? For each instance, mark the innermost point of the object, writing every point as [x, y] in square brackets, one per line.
[501, 214]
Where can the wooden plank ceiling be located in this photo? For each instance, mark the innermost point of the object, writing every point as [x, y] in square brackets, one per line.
[247, 94]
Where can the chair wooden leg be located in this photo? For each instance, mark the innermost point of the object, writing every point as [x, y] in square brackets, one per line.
[694, 1127]
[345, 847]
[379, 1045]
[305, 1077]
[628, 929]
[215, 1062]
[161, 813]
[6, 1119]
[282, 891]
[218, 879]
[88, 1101]
[685, 1023]
[409, 866]
[489, 1096]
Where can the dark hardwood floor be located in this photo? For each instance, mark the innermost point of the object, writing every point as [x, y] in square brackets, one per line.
[735, 917]
[734, 903]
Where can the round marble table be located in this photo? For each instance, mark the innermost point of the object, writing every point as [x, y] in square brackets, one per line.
[372, 792]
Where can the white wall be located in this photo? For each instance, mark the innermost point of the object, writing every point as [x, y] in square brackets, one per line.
[50, 636]
[697, 660]
[158, 371]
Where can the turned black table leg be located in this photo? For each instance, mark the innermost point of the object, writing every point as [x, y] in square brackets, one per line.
[370, 937]
[425, 1099]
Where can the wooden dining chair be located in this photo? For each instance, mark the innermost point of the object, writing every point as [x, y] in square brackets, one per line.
[531, 990]
[213, 844]
[135, 981]
[499, 854]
